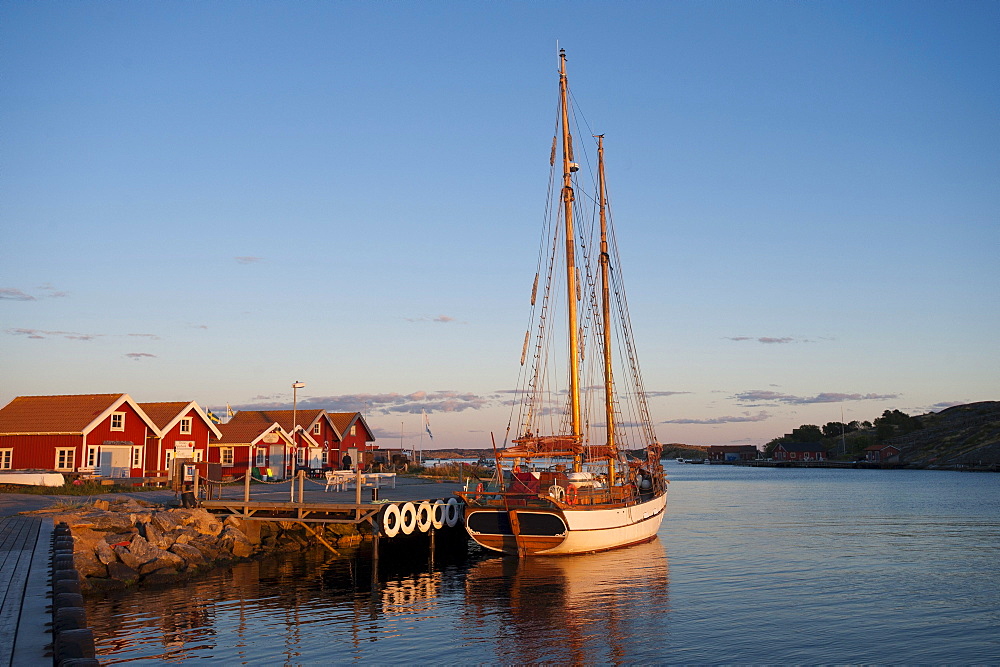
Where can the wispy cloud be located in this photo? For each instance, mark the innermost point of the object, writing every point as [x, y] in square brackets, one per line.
[248, 259]
[664, 394]
[52, 292]
[767, 340]
[759, 397]
[145, 335]
[745, 417]
[440, 319]
[414, 403]
[12, 294]
[42, 334]
[138, 356]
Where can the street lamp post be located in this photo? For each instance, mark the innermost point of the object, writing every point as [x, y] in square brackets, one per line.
[295, 406]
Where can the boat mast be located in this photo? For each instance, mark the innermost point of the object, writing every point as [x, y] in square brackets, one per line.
[609, 385]
[571, 288]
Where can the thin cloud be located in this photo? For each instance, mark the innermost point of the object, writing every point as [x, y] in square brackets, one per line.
[53, 293]
[145, 335]
[664, 394]
[440, 319]
[766, 340]
[759, 397]
[413, 403]
[42, 334]
[745, 417]
[11, 294]
[248, 259]
[139, 356]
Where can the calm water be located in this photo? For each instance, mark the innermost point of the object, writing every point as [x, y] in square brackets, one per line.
[752, 565]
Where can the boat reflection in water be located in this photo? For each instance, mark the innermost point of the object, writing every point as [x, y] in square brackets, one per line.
[571, 609]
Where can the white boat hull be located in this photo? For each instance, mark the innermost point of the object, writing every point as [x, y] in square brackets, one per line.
[586, 530]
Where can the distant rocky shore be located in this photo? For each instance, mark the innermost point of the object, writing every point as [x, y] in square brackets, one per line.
[122, 543]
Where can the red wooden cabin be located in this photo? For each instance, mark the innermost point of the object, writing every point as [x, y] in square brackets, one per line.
[103, 433]
[186, 432]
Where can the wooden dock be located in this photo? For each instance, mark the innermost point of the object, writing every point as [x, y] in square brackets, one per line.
[25, 548]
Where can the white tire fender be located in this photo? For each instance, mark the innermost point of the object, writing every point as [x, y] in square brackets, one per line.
[390, 521]
[407, 518]
[438, 514]
[425, 516]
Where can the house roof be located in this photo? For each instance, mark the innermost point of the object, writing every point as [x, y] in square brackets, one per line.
[167, 414]
[802, 447]
[63, 415]
[880, 447]
[305, 418]
[343, 421]
[248, 427]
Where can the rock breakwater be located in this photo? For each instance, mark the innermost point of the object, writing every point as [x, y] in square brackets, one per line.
[126, 542]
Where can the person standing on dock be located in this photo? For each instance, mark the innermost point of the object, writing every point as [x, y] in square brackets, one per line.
[345, 462]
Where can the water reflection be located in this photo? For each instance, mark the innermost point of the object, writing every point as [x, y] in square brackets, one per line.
[571, 609]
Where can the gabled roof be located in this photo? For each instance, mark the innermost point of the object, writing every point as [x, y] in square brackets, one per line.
[168, 414]
[342, 422]
[247, 427]
[802, 446]
[880, 447]
[305, 418]
[64, 415]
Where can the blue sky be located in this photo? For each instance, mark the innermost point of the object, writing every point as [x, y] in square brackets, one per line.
[208, 201]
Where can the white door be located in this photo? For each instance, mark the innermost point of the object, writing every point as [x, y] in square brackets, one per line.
[115, 461]
[315, 458]
[276, 461]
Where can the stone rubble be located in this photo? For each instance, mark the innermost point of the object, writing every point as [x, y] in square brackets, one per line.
[121, 543]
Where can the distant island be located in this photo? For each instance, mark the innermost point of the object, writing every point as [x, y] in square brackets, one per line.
[962, 435]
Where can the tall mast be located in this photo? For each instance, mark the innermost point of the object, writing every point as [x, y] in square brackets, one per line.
[571, 288]
[609, 385]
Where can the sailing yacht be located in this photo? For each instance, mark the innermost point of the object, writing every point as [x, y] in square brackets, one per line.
[582, 472]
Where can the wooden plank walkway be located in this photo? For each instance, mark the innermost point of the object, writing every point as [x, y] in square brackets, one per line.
[25, 546]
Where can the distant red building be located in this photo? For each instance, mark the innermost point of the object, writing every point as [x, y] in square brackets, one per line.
[797, 451]
[884, 453]
[733, 452]
[103, 433]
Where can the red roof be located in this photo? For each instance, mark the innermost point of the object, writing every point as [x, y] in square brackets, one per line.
[246, 427]
[168, 413]
[58, 414]
[163, 413]
[343, 421]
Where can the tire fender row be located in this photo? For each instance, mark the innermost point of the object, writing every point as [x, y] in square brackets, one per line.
[419, 516]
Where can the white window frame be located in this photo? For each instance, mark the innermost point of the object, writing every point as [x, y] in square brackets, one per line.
[227, 456]
[354, 429]
[300, 456]
[66, 458]
[317, 428]
[261, 461]
[120, 418]
[6, 458]
[137, 457]
[186, 424]
[93, 456]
